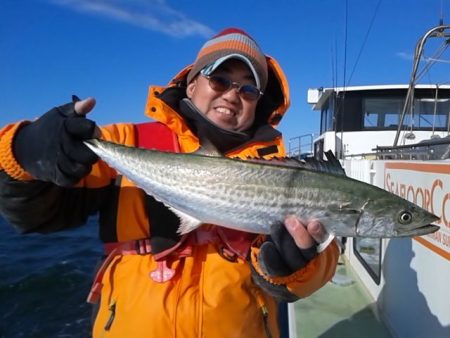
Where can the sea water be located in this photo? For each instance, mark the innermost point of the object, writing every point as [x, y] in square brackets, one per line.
[44, 281]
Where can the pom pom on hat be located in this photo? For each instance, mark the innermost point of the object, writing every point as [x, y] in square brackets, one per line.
[231, 43]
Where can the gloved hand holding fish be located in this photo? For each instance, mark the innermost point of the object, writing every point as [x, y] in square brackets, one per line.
[253, 195]
[280, 255]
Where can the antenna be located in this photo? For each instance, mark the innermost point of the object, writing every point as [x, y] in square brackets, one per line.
[365, 40]
[341, 152]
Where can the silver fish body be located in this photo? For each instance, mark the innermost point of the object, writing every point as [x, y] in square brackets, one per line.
[251, 196]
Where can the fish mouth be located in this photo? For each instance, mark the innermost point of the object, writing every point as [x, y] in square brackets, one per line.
[423, 230]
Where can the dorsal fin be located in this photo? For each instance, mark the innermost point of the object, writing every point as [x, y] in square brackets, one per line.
[331, 165]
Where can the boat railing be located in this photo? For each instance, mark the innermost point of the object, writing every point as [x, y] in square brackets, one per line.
[432, 149]
[361, 156]
[301, 146]
[441, 31]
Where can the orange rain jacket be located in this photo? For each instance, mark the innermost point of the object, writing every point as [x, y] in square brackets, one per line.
[208, 295]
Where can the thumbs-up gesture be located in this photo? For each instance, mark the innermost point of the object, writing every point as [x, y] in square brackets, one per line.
[51, 148]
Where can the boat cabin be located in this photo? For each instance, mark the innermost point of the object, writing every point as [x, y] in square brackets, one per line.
[355, 121]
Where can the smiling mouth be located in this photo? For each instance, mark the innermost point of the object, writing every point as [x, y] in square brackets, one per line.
[225, 112]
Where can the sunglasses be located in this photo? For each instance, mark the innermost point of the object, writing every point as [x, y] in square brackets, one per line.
[222, 84]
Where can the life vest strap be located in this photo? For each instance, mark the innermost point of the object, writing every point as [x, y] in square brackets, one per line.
[139, 247]
[161, 274]
[228, 249]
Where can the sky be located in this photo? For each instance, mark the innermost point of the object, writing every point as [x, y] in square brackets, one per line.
[114, 50]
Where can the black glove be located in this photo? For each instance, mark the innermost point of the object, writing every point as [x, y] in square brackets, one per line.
[51, 148]
[279, 256]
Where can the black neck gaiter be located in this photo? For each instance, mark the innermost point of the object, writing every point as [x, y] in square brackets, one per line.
[223, 139]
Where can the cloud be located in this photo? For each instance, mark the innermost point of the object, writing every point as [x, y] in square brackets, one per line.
[155, 15]
[405, 56]
[410, 57]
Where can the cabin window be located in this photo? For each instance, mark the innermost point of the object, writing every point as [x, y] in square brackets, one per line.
[348, 114]
[324, 125]
[368, 252]
[382, 113]
[327, 117]
[431, 113]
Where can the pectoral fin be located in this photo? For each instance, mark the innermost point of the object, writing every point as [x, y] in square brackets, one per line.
[187, 222]
[347, 209]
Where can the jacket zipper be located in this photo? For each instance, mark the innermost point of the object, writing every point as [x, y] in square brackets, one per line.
[264, 312]
[112, 310]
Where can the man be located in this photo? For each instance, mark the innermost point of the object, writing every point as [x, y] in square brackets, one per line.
[213, 282]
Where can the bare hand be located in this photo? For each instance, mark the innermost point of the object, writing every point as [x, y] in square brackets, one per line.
[84, 106]
[307, 234]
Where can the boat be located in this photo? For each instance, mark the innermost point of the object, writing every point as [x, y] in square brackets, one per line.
[396, 137]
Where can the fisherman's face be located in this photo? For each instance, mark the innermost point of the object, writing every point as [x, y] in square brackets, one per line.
[226, 109]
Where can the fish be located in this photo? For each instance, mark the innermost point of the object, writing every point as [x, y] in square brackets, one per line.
[253, 195]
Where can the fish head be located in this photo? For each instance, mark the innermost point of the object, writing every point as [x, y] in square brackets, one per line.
[393, 216]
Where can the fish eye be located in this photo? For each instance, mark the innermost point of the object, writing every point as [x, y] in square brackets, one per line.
[405, 217]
